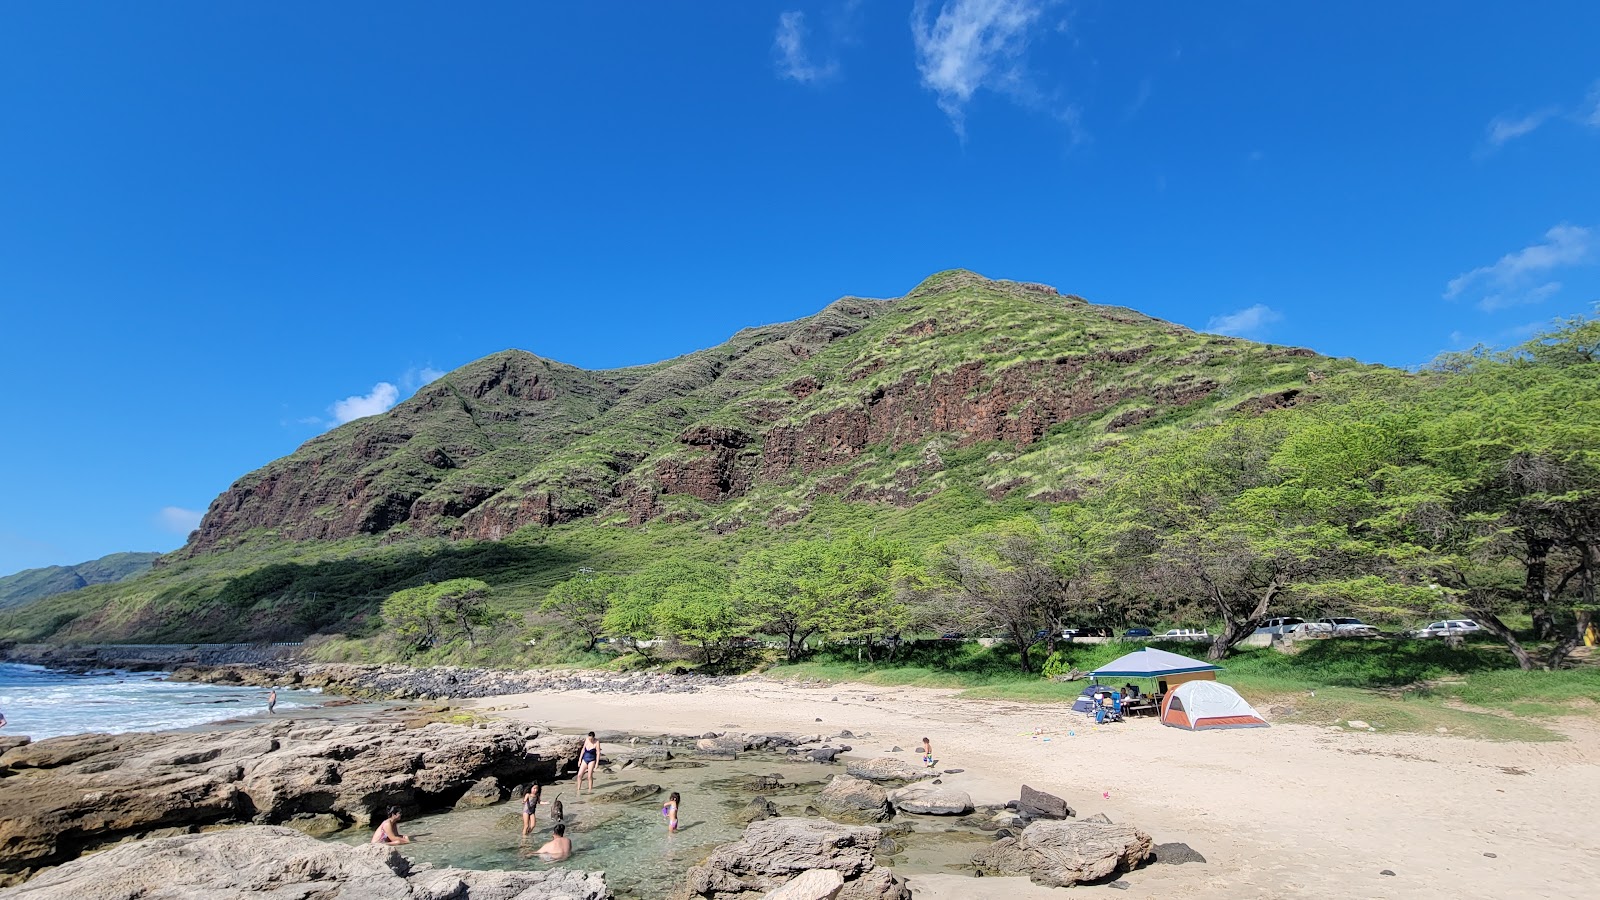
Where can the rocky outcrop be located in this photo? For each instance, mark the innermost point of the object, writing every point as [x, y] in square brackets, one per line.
[67, 794]
[396, 682]
[1063, 853]
[773, 852]
[1040, 805]
[817, 884]
[885, 768]
[267, 862]
[928, 799]
[854, 800]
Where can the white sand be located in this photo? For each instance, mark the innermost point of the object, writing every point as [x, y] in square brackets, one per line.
[1288, 811]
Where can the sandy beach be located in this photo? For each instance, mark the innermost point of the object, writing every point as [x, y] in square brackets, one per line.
[1287, 811]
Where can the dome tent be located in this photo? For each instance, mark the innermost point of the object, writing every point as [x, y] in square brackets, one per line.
[1204, 705]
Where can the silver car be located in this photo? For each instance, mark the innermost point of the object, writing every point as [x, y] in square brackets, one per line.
[1447, 628]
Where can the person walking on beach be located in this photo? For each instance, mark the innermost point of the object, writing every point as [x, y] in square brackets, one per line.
[559, 846]
[389, 830]
[272, 701]
[927, 753]
[530, 809]
[589, 760]
[670, 812]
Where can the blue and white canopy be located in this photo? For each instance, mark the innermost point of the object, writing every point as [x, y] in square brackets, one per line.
[1152, 663]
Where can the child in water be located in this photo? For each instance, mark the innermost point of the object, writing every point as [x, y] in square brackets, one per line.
[530, 809]
[927, 753]
[670, 811]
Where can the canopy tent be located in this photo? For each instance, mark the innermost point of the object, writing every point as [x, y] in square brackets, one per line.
[1153, 663]
[1204, 705]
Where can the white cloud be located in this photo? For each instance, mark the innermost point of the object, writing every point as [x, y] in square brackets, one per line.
[1520, 277]
[794, 61]
[382, 396]
[978, 44]
[178, 520]
[1252, 321]
[1506, 128]
[429, 374]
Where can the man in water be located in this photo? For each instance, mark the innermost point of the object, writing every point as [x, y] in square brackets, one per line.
[272, 701]
[559, 846]
[2, 720]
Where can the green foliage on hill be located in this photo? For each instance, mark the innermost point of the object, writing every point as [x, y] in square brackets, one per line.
[29, 585]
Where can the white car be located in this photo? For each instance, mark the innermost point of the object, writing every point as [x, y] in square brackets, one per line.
[1184, 634]
[1279, 625]
[1448, 627]
[1344, 626]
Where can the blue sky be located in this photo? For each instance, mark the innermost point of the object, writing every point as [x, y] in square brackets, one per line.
[225, 226]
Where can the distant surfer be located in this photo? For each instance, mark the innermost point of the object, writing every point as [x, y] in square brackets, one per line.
[272, 701]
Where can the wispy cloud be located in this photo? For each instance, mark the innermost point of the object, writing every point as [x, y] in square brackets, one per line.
[178, 520]
[415, 378]
[1508, 128]
[793, 59]
[1522, 277]
[973, 45]
[1589, 114]
[1250, 322]
[382, 396]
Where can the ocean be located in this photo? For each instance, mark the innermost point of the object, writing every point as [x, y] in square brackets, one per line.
[42, 703]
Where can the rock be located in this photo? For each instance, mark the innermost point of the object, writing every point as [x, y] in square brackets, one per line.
[754, 811]
[775, 851]
[264, 861]
[895, 749]
[1281, 712]
[763, 782]
[954, 771]
[817, 884]
[1492, 855]
[1039, 805]
[846, 733]
[629, 793]
[1357, 723]
[1174, 854]
[486, 792]
[1119, 885]
[931, 800]
[13, 741]
[1386, 872]
[1102, 819]
[824, 754]
[726, 744]
[854, 800]
[317, 825]
[883, 768]
[1061, 853]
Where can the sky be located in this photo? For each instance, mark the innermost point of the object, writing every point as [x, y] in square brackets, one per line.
[227, 227]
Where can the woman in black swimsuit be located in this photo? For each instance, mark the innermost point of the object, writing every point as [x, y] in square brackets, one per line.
[530, 809]
[588, 761]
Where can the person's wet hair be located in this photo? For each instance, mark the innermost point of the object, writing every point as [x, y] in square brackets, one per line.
[394, 813]
[560, 831]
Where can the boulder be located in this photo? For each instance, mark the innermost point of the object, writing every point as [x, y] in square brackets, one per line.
[1175, 854]
[1062, 853]
[817, 884]
[629, 793]
[884, 768]
[1039, 805]
[317, 825]
[773, 852]
[823, 754]
[13, 741]
[854, 800]
[265, 861]
[728, 743]
[1100, 818]
[487, 792]
[931, 800]
[754, 811]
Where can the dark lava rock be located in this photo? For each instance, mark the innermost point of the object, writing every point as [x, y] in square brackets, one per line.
[629, 794]
[1172, 854]
[1386, 872]
[1119, 885]
[1041, 805]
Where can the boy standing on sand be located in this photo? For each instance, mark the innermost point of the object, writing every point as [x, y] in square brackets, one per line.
[927, 753]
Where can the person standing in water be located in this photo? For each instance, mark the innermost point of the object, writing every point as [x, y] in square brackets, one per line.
[530, 809]
[559, 846]
[272, 701]
[670, 812]
[589, 760]
[389, 830]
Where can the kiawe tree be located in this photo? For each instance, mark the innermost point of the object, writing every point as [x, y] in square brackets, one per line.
[422, 616]
[1000, 576]
[581, 603]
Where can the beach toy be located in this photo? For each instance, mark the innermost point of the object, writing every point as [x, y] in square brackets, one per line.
[1072, 734]
[1105, 795]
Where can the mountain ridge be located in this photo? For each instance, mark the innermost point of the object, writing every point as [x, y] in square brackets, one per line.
[24, 587]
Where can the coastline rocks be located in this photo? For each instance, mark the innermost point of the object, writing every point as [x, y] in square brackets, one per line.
[729, 743]
[1062, 854]
[884, 768]
[486, 792]
[756, 810]
[68, 794]
[266, 861]
[854, 800]
[441, 682]
[629, 794]
[775, 851]
[930, 800]
[817, 884]
[1039, 805]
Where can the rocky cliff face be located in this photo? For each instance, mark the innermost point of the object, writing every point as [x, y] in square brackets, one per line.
[829, 404]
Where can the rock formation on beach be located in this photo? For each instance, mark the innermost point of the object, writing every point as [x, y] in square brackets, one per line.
[64, 795]
[774, 851]
[268, 862]
[1062, 853]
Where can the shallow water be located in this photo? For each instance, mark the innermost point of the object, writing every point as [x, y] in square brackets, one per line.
[43, 703]
[629, 841]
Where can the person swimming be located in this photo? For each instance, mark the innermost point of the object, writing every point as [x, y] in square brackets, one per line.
[530, 809]
[389, 830]
[589, 760]
[559, 846]
[669, 811]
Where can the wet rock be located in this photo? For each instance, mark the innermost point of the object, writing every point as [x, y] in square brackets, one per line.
[763, 782]
[1386, 872]
[1040, 805]
[486, 792]
[726, 744]
[317, 825]
[1062, 853]
[931, 800]
[773, 852]
[629, 793]
[884, 768]
[264, 861]
[854, 800]
[824, 754]
[754, 811]
[1174, 854]
[1099, 818]
[817, 884]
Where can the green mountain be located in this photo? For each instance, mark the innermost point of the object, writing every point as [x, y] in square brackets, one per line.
[35, 584]
[964, 400]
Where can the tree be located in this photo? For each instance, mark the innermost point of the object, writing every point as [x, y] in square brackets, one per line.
[421, 616]
[581, 603]
[781, 592]
[689, 600]
[856, 584]
[1002, 575]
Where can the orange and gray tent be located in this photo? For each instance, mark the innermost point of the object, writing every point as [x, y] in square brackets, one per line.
[1203, 705]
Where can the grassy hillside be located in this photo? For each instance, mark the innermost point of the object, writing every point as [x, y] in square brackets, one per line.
[25, 587]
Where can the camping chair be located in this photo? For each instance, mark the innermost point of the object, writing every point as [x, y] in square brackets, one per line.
[1110, 709]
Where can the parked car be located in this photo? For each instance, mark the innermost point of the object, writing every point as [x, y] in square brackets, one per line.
[952, 636]
[1278, 625]
[1092, 631]
[1448, 627]
[1185, 634]
[1138, 633]
[1344, 626]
